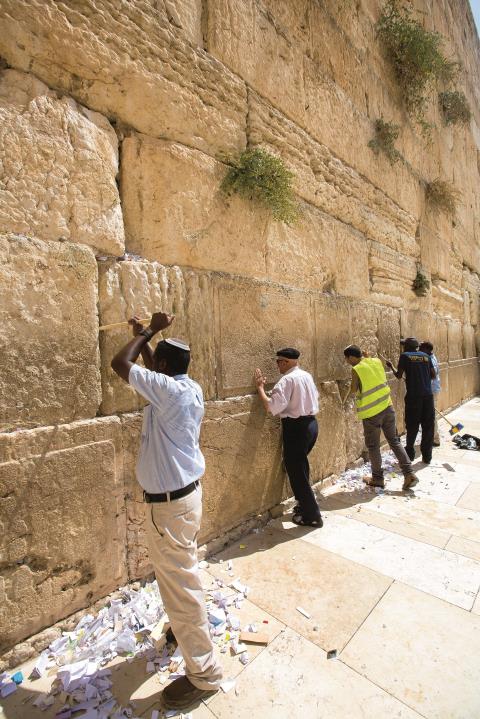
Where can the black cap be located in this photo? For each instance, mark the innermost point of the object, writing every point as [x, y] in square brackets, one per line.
[410, 341]
[288, 353]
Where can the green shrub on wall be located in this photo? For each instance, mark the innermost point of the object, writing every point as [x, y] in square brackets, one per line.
[420, 284]
[455, 107]
[386, 134]
[262, 177]
[416, 55]
[442, 195]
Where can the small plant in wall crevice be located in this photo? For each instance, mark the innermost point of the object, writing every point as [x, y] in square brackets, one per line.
[264, 178]
[420, 284]
[455, 107]
[442, 195]
[386, 134]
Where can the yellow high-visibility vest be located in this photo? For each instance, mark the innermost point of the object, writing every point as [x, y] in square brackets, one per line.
[374, 395]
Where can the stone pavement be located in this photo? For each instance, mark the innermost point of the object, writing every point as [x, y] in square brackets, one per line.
[391, 583]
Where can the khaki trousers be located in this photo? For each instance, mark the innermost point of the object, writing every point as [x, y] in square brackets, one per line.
[172, 530]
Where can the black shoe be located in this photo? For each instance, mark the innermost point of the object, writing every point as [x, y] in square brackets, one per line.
[436, 444]
[410, 453]
[426, 461]
[298, 519]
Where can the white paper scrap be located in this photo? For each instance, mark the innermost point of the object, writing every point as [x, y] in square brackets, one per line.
[154, 714]
[7, 689]
[303, 611]
[227, 685]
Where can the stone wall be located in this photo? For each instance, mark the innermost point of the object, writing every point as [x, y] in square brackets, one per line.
[116, 122]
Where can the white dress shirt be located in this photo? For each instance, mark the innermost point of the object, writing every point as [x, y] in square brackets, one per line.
[294, 395]
[170, 457]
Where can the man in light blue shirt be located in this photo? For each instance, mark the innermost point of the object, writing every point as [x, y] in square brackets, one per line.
[427, 347]
[169, 469]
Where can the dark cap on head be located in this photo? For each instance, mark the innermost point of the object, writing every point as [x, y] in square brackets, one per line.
[288, 353]
[410, 342]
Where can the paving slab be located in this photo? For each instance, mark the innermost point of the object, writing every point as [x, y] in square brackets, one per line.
[438, 484]
[423, 651]
[470, 499]
[427, 535]
[444, 574]
[467, 547]
[420, 510]
[294, 678]
[285, 573]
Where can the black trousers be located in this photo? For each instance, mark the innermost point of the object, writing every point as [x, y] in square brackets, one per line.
[419, 411]
[299, 437]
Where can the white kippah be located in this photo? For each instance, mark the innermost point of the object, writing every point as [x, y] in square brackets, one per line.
[178, 343]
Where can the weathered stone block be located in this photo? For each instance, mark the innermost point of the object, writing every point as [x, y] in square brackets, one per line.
[129, 62]
[49, 371]
[58, 164]
[330, 184]
[329, 455]
[391, 276]
[447, 300]
[253, 321]
[62, 528]
[248, 37]
[332, 334]
[388, 331]
[455, 340]
[175, 213]
[138, 562]
[141, 288]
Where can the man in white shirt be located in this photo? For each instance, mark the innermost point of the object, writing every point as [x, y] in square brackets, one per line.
[169, 469]
[295, 399]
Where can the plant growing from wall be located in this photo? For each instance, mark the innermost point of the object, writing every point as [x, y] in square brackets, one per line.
[455, 107]
[420, 284]
[416, 55]
[386, 134]
[442, 195]
[263, 178]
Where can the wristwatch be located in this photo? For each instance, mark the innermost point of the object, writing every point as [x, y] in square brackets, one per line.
[147, 332]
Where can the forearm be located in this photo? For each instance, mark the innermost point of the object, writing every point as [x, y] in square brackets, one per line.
[264, 399]
[127, 356]
[147, 356]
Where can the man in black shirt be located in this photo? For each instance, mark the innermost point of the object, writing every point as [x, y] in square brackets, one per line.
[419, 409]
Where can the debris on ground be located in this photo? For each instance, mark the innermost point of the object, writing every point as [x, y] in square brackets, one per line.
[131, 625]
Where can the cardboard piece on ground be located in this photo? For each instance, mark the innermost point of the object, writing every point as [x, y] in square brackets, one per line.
[254, 638]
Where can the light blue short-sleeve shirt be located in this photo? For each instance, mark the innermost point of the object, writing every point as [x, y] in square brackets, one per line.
[170, 457]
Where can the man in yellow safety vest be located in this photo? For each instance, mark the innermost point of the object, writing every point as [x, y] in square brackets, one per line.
[374, 408]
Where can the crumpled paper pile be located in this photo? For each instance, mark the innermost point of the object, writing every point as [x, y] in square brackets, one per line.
[129, 626]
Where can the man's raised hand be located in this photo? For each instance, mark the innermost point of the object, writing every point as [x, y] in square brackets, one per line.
[160, 321]
[259, 378]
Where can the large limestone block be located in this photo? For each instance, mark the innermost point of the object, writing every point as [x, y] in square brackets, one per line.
[140, 288]
[128, 61]
[138, 562]
[331, 184]
[469, 349]
[388, 331]
[244, 475]
[391, 276]
[332, 334]
[249, 36]
[174, 212]
[62, 530]
[455, 340]
[329, 456]
[253, 320]
[58, 163]
[316, 253]
[49, 371]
